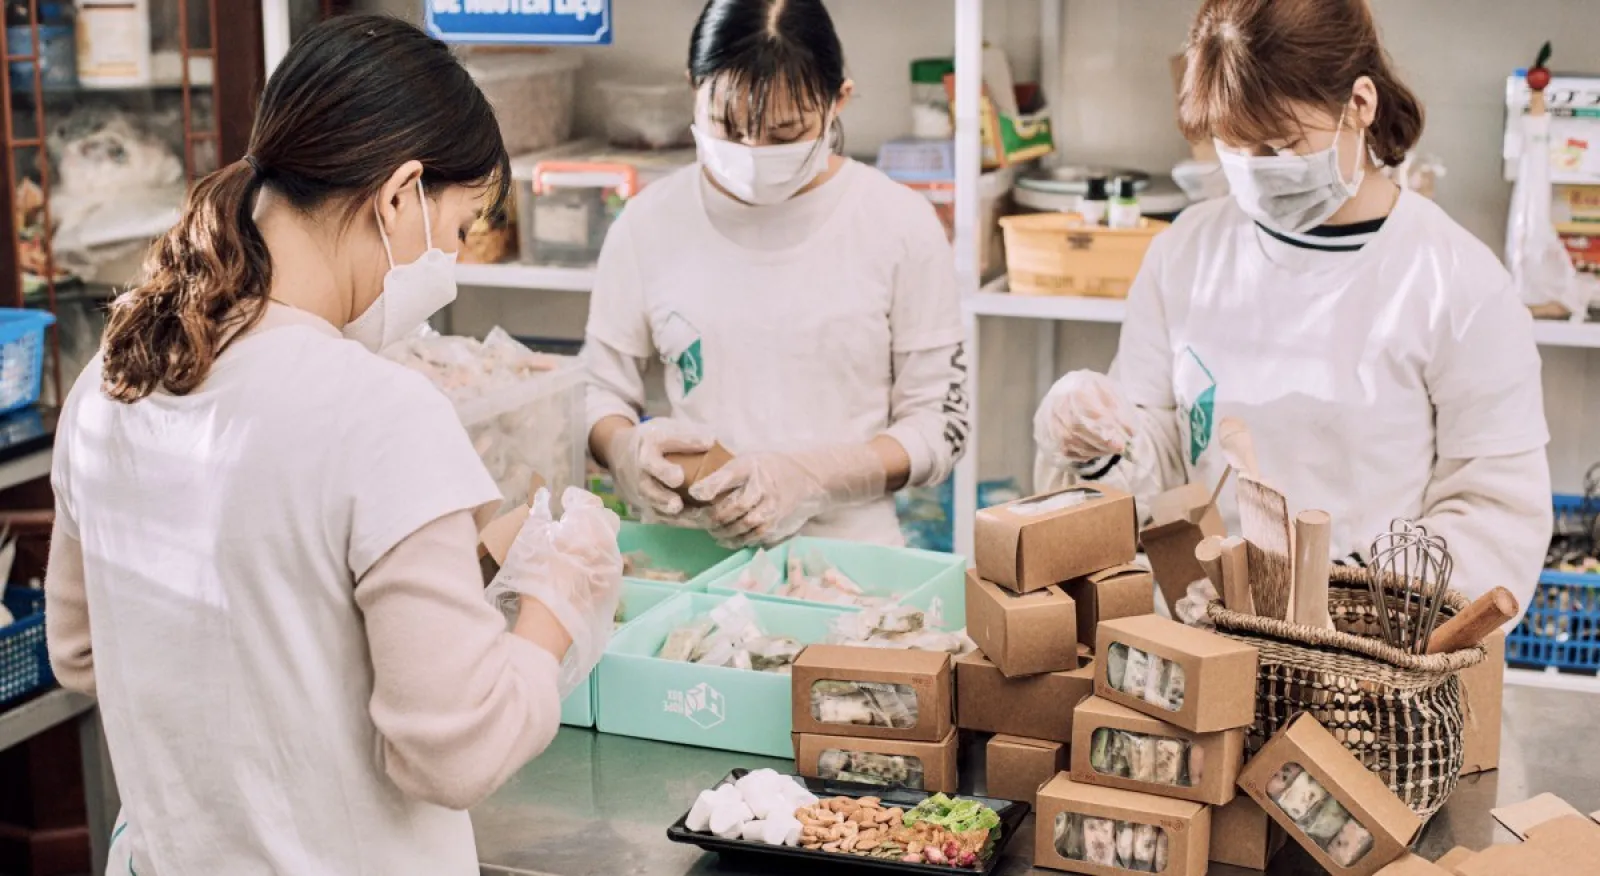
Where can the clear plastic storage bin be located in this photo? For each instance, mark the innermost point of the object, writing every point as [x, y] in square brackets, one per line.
[532, 95]
[648, 115]
[565, 209]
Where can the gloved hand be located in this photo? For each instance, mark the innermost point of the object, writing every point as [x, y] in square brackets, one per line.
[763, 498]
[644, 477]
[1083, 417]
[574, 568]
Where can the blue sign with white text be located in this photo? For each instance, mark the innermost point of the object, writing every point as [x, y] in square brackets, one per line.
[527, 22]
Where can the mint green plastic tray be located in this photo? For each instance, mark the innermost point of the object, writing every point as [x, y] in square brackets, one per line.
[917, 577]
[638, 597]
[642, 695]
[686, 550]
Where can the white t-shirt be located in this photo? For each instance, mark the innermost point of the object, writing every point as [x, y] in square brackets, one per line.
[1355, 371]
[782, 341]
[223, 533]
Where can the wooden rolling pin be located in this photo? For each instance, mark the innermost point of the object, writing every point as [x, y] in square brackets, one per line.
[1486, 614]
[1208, 553]
[1236, 576]
[1311, 562]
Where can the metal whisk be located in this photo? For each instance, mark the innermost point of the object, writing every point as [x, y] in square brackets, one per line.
[1419, 564]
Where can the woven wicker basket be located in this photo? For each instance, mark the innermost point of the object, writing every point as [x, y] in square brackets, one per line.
[1399, 713]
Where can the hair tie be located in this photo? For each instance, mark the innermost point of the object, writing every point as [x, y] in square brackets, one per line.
[255, 166]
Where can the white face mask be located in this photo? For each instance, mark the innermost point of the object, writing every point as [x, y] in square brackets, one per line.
[762, 175]
[411, 293]
[1292, 192]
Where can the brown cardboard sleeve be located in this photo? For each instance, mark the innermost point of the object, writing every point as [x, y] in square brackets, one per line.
[1179, 519]
[938, 758]
[927, 673]
[1242, 835]
[1483, 689]
[1033, 706]
[1121, 591]
[1303, 741]
[1187, 825]
[1566, 845]
[1027, 550]
[1521, 818]
[1017, 766]
[1223, 752]
[1023, 633]
[697, 467]
[1452, 861]
[1413, 865]
[1219, 673]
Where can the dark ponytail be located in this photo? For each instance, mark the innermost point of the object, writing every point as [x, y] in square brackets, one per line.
[354, 99]
[753, 49]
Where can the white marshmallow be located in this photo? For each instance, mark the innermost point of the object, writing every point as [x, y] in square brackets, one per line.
[781, 831]
[753, 830]
[728, 818]
[699, 819]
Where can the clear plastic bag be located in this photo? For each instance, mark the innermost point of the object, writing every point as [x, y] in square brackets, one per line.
[864, 704]
[1541, 270]
[731, 635]
[871, 768]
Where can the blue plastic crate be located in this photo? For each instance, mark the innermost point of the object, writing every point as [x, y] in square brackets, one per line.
[1561, 629]
[21, 356]
[24, 660]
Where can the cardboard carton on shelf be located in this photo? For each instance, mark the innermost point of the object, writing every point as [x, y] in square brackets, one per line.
[1312, 755]
[1215, 757]
[1243, 836]
[1039, 541]
[1217, 686]
[1117, 592]
[1017, 766]
[1179, 520]
[1482, 692]
[1023, 633]
[930, 766]
[922, 679]
[1065, 805]
[1033, 706]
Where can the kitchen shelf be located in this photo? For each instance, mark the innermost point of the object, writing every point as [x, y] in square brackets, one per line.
[519, 276]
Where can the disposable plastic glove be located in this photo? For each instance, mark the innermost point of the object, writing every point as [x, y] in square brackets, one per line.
[644, 477]
[574, 568]
[1083, 417]
[763, 498]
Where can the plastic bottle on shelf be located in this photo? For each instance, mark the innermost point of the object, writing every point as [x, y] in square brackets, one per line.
[1095, 202]
[113, 43]
[1125, 211]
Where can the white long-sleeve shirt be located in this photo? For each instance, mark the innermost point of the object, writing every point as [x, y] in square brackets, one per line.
[830, 318]
[1394, 379]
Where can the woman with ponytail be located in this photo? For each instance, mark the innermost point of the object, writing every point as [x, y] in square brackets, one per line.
[1375, 348]
[264, 558]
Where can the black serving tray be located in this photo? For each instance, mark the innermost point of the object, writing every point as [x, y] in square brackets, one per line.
[1011, 815]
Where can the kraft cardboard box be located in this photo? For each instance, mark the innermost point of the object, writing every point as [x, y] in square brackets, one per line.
[1243, 836]
[1483, 689]
[1018, 766]
[1179, 519]
[1204, 767]
[1452, 860]
[1186, 825]
[1121, 591]
[1413, 865]
[1033, 543]
[1306, 744]
[922, 677]
[1554, 844]
[931, 766]
[1023, 633]
[1217, 686]
[1033, 706]
[697, 467]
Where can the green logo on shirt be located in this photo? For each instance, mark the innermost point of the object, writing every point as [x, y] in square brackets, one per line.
[1193, 380]
[689, 365]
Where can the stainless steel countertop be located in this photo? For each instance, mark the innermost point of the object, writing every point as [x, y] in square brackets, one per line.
[599, 805]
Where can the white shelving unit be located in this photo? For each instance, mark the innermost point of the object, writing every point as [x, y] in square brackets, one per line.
[518, 276]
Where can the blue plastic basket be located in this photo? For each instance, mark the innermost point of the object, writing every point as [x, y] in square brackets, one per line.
[21, 356]
[24, 659]
[1562, 627]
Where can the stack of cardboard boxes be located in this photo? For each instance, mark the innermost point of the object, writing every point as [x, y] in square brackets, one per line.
[1049, 568]
[876, 716]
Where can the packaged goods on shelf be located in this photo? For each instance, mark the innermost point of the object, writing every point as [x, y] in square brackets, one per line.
[1195, 679]
[1118, 747]
[648, 115]
[1016, 767]
[873, 693]
[1043, 540]
[1117, 592]
[920, 766]
[1330, 804]
[1063, 254]
[532, 93]
[1032, 706]
[1023, 633]
[1108, 831]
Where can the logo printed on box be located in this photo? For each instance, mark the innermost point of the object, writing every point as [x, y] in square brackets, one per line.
[702, 704]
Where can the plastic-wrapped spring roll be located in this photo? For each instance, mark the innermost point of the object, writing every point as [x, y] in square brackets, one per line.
[1116, 664]
[1100, 749]
[1069, 835]
[1125, 845]
[1133, 678]
[1169, 762]
[1282, 779]
[1144, 847]
[1142, 757]
[1303, 795]
[1174, 688]
[1325, 822]
[1155, 681]
[896, 702]
[682, 642]
[1100, 841]
[871, 768]
[1197, 765]
[1351, 845]
[768, 654]
[1121, 748]
[1160, 865]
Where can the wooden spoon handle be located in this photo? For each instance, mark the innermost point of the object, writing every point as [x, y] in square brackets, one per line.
[1237, 445]
[1486, 614]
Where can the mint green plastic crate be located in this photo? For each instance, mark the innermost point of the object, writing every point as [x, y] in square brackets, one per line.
[670, 547]
[710, 706]
[917, 577]
[638, 597]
